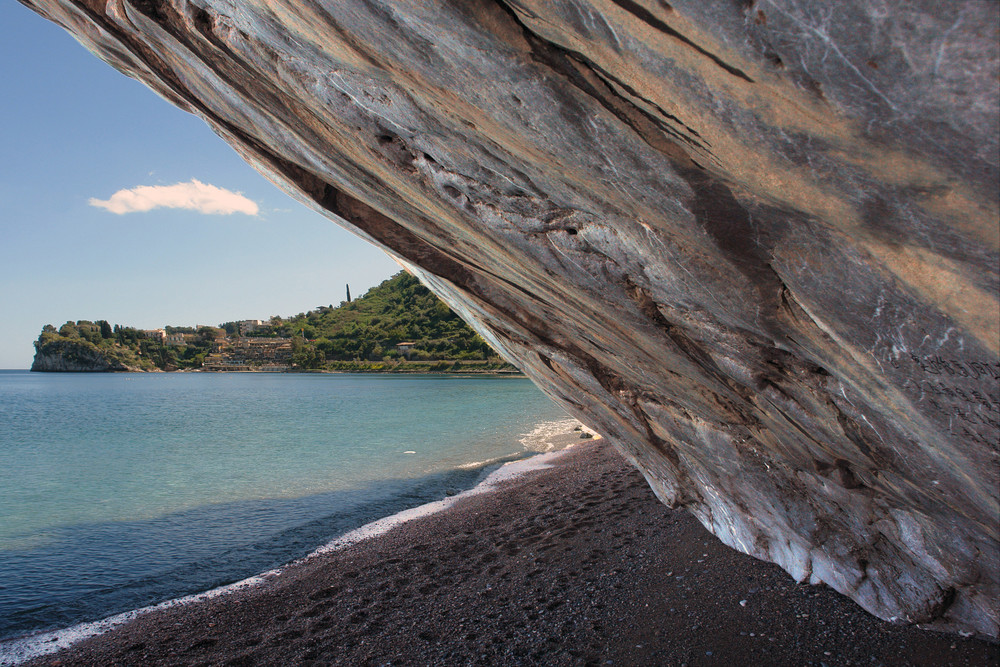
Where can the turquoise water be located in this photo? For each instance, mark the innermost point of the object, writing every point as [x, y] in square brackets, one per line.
[120, 490]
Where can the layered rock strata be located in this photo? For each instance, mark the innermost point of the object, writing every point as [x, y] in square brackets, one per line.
[753, 243]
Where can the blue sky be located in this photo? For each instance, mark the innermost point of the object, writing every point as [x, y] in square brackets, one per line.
[75, 130]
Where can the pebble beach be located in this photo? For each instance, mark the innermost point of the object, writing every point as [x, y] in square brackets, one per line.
[575, 563]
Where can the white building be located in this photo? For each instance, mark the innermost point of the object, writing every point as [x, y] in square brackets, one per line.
[248, 326]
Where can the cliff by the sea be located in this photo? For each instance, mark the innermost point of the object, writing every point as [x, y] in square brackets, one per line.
[69, 356]
[97, 347]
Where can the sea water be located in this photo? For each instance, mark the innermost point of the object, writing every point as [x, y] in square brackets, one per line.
[122, 490]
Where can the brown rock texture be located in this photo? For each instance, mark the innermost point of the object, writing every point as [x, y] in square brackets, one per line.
[754, 243]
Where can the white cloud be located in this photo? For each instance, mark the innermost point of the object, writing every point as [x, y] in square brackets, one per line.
[194, 195]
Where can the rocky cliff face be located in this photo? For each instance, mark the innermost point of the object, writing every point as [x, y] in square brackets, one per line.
[70, 357]
[754, 243]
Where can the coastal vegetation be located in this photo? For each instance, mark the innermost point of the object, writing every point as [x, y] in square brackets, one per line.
[397, 326]
[374, 326]
[86, 345]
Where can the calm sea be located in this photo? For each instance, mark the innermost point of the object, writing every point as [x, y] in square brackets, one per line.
[121, 490]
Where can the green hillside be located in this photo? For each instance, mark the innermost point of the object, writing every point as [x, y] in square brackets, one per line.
[400, 310]
[361, 335]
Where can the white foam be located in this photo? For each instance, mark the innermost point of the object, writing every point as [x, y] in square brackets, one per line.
[549, 435]
[482, 464]
[382, 526]
[16, 651]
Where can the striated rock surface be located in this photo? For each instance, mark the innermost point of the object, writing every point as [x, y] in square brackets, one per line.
[754, 243]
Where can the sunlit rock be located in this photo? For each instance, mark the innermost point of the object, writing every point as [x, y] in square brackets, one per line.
[753, 243]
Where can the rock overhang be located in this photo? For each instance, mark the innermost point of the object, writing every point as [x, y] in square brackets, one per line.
[755, 244]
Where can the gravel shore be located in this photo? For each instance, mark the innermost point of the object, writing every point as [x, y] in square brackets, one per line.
[576, 564]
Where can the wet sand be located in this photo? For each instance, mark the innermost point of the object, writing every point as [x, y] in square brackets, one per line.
[576, 564]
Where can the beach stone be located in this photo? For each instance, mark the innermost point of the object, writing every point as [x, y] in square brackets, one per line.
[752, 243]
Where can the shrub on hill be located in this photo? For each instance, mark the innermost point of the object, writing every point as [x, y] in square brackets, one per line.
[399, 310]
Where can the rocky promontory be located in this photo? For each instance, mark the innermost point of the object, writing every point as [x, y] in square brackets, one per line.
[754, 243]
[67, 356]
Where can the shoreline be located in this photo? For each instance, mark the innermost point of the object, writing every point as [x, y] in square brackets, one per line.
[18, 650]
[570, 562]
